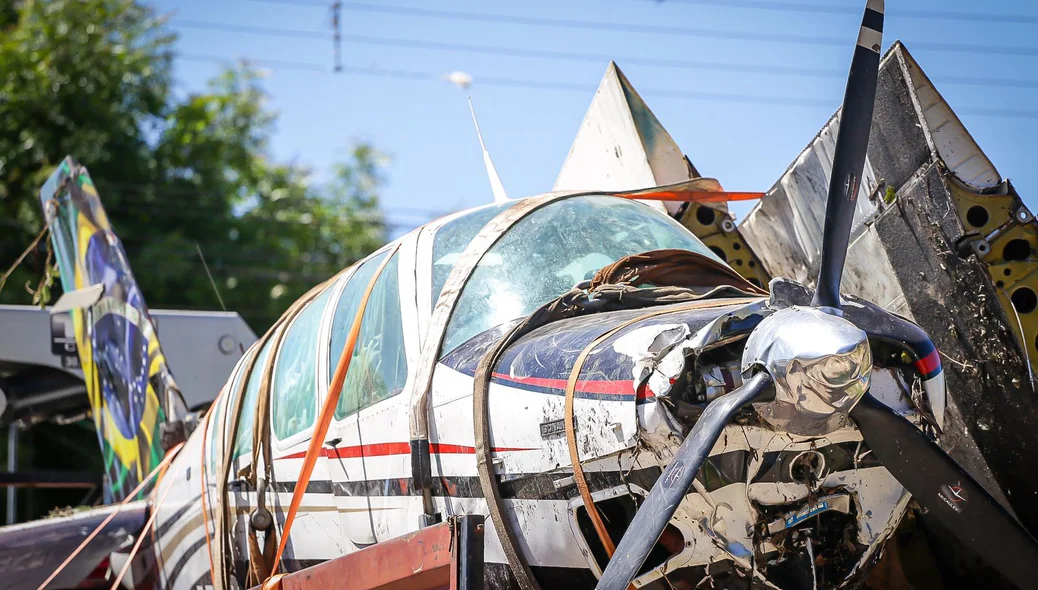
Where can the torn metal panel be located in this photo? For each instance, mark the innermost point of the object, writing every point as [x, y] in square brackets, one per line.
[785, 228]
[621, 144]
[945, 132]
[991, 404]
[30, 552]
[1002, 233]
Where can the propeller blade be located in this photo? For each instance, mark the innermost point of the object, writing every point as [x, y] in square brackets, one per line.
[852, 143]
[944, 488]
[654, 514]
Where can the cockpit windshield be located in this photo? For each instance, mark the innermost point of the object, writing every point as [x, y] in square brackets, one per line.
[546, 254]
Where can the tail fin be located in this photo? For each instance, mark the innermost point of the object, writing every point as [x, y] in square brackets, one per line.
[132, 393]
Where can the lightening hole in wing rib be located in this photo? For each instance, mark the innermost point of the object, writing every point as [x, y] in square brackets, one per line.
[977, 216]
[1016, 249]
[1024, 300]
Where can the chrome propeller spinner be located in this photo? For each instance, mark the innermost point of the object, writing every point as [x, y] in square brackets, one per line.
[820, 364]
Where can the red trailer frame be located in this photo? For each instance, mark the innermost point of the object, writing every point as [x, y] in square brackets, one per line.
[446, 556]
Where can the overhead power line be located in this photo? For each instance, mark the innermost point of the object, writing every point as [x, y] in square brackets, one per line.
[706, 33]
[854, 9]
[893, 12]
[544, 84]
[600, 58]
[586, 88]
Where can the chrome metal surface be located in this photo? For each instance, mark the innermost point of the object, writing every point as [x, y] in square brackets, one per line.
[821, 365]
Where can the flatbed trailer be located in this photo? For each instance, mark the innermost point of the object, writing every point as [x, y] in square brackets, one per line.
[445, 556]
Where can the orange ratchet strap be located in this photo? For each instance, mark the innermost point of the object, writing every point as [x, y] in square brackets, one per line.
[692, 196]
[324, 420]
[133, 494]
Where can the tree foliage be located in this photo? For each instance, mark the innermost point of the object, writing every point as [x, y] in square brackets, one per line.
[93, 79]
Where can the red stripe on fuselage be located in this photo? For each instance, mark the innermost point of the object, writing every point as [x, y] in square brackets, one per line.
[588, 386]
[928, 364]
[599, 387]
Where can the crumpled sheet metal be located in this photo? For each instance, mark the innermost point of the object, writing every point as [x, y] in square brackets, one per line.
[30, 551]
[646, 345]
[622, 369]
[785, 228]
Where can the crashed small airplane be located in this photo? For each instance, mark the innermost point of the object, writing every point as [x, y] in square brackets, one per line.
[579, 367]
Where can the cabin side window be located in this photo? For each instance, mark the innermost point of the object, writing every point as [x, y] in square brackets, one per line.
[378, 367]
[452, 239]
[220, 421]
[294, 394]
[243, 438]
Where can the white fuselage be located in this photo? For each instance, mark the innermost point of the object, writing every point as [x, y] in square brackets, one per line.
[361, 493]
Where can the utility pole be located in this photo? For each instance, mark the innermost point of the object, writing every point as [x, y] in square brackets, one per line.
[337, 33]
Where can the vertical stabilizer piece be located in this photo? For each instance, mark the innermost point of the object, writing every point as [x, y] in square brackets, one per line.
[132, 393]
[495, 181]
[621, 145]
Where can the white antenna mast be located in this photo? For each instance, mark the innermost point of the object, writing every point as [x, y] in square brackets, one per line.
[495, 181]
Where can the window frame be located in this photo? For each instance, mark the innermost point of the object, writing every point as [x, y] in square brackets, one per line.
[221, 426]
[306, 433]
[408, 259]
[324, 334]
[424, 262]
[388, 258]
[255, 368]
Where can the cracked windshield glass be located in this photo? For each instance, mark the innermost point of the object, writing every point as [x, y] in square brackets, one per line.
[546, 254]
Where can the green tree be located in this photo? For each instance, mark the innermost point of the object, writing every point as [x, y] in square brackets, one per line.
[92, 78]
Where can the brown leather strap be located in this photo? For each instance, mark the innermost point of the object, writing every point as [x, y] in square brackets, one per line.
[571, 435]
[571, 440]
[488, 483]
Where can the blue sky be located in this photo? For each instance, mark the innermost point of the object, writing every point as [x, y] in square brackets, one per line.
[423, 123]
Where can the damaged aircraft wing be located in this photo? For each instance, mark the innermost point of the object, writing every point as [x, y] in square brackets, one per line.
[939, 237]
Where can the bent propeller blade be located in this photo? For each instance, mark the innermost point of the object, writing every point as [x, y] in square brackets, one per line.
[944, 488]
[668, 491]
[852, 143]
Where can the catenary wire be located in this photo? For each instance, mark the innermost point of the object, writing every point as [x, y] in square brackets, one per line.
[480, 49]
[584, 88]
